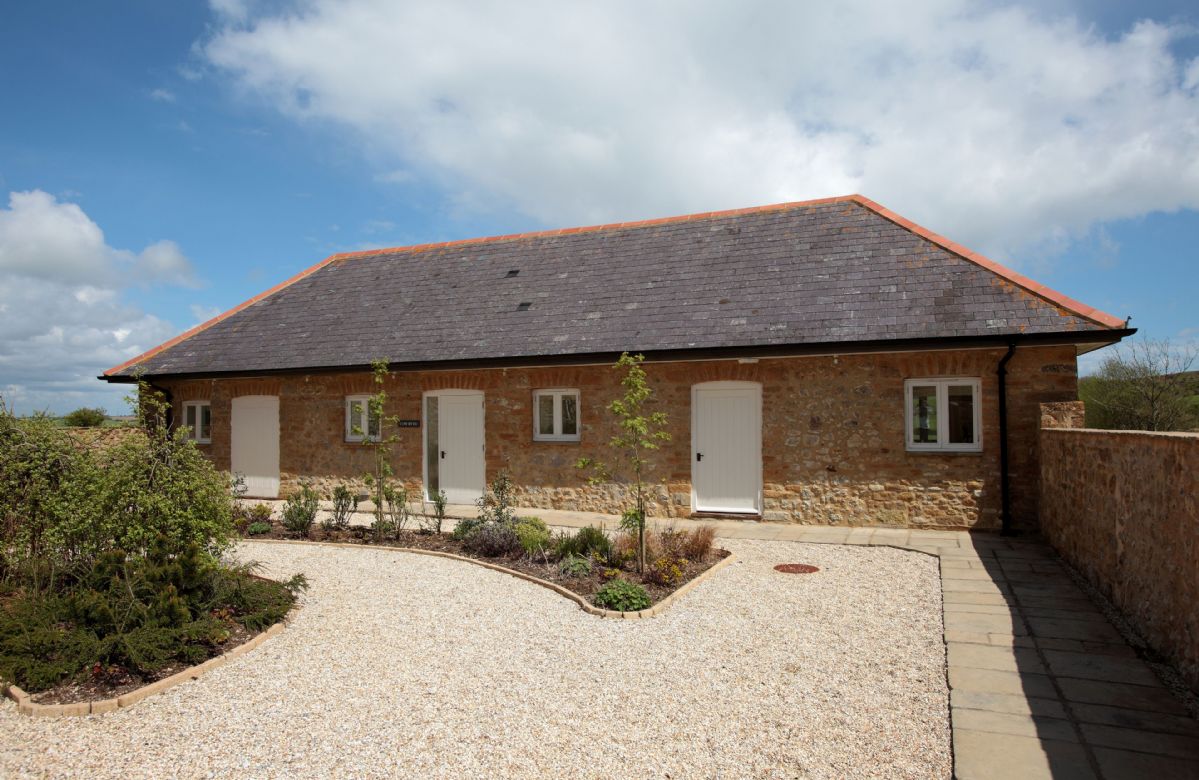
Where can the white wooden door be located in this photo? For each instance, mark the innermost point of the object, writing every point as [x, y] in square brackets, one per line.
[456, 456]
[726, 446]
[254, 443]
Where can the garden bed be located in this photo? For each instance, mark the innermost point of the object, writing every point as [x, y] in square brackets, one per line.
[542, 567]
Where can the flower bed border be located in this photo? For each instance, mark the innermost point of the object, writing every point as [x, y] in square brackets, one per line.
[586, 606]
[26, 705]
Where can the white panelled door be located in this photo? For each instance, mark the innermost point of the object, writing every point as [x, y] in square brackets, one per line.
[726, 446]
[454, 445]
[254, 444]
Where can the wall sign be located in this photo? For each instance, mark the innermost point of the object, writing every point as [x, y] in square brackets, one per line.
[409, 423]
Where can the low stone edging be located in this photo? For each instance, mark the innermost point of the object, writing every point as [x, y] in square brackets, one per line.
[26, 706]
[587, 607]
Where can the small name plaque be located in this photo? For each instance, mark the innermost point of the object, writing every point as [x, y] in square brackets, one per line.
[409, 423]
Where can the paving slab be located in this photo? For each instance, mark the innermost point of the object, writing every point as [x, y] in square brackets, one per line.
[983, 755]
[1135, 719]
[993, 681]
[1129, 765]
[1087, 666]
[1003, 702]
[1146, 698]
[1141, 741]
[1018, 725]
[1003, 659]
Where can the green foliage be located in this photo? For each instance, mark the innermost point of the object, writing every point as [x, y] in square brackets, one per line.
[1144, 385]
[299, 511]
[433, 524]
[466, 526]
[61, 505]
[641, 431]
[379, 479]
[258, 529]
[574, 566]
[496, 504]
[135, 613]
[395, 500]
[584, 543]
[666, 570]
[345, 502]
[492, 540]
[623, 596]
[86, 417]
[533, 534]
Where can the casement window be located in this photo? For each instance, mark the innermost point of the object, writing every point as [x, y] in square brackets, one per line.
[555, 415]
[197, 418]
[358, 426]
[943, 415]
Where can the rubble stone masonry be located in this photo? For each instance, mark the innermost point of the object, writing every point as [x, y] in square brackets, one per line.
[1123, 508]
[832, 441]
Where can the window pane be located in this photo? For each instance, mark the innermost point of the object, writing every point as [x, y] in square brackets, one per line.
[924, 414]
[545, 414]
[432, 454]
[570, 415]
[961, 414]
[205, 421]
[190, 420]
[374, 423]
[356, 418]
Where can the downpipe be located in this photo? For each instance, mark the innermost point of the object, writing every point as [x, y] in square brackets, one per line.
[1005, 495]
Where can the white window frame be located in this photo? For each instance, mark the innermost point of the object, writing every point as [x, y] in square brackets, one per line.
[942, 444]
[351, 435]
[197, 434]
[557, 394]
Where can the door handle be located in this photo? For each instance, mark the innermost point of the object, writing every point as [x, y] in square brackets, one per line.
[443, 454]
[699, 456]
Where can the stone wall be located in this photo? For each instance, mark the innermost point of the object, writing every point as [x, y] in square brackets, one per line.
[1123, 508]
[102, 437]
[832, 440]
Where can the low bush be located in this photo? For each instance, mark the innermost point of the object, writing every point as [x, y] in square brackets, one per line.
[345, 502]
[135, 613]
[260, 513]
[574, 566]
[465, 528]
[86, 417]
[492, 540]
[534, 535]
[698, 545]
[666, 570]
[584, 543]
[395, 507]
[258, 529]
[299, 512]
[622, 595]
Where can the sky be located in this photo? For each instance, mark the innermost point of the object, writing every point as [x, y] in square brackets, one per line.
[162, 162]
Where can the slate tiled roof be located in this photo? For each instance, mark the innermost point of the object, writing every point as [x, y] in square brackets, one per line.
[832, 271]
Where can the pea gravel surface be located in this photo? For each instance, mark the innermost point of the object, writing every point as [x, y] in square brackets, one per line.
[401, 665]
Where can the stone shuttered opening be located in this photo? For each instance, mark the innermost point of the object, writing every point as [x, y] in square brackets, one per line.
[832, 433]
[1123, 508]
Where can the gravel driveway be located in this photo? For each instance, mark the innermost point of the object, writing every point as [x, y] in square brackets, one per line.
[406, 665]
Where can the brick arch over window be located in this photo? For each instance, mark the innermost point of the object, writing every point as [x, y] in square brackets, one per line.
[452, 380]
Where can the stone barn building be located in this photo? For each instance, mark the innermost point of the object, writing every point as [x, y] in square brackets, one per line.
[822, 362]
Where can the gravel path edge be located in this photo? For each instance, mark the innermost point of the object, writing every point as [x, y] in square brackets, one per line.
[583, 604]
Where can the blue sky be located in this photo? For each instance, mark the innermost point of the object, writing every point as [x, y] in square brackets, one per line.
[160, 162]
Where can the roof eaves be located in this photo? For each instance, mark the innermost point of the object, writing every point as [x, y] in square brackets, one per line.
[225, 315]
[1036, 288]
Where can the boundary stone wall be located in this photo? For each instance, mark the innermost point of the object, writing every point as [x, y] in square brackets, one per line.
[1123, 508]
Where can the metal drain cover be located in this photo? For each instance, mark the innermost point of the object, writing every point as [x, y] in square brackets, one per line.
[796, 568]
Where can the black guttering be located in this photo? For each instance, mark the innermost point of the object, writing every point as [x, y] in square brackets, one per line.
[1005, 494]
[1099, 337]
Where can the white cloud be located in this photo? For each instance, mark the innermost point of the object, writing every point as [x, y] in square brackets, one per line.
[1005, 129]
[63, 318]
[203, 313]
[162, 95]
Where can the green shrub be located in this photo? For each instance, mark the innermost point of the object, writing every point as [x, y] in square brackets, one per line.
[260, 513]
[496, 505]
[492, 540]
[433, 524]
[574, 566]
[395, 500]
[258, 529]
[299, 512]
[136, 613]
[666, 570]
[344, 504]
[584, 543]
[533, 533]
[622, 595]
[86, 417]
[466, 526]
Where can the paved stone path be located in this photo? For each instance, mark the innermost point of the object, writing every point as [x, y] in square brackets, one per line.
[1041, 684]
